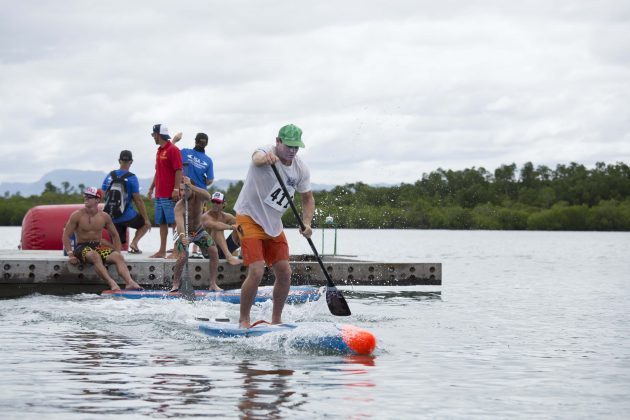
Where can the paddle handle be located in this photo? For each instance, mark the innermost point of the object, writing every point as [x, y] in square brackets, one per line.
[187, 289]
[301, 223]
[186, 210]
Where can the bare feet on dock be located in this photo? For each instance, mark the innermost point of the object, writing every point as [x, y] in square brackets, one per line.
[234, 261]
[172, 254]
[158, 255]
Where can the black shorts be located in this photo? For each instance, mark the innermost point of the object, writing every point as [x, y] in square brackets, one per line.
[232, 246]
[135, 223]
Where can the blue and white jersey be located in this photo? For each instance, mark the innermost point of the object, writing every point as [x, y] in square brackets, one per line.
[200, 166]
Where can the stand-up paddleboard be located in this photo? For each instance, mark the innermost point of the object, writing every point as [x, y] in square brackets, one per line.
[297, 294]
[322, 336]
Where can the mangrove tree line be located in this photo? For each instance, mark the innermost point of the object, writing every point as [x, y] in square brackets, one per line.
[569, 197]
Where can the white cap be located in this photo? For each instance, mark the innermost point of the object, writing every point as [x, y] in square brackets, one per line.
[93, 191]
[218, 197]
[162, 130]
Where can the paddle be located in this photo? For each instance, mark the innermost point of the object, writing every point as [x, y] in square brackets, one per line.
[334, 298]
[185, 287]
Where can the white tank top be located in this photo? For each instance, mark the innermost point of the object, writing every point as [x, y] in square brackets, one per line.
[262, 197]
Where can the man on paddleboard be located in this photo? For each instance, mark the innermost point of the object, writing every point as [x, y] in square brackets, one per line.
[196, 233]
[259, 209]
[87, 225]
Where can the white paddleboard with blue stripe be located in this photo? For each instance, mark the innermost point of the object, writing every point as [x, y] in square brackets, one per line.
[322, 336]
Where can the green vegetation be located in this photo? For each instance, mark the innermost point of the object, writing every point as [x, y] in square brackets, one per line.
[571, 197]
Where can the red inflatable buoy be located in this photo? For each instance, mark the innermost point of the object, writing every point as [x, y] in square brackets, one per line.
[42, 226]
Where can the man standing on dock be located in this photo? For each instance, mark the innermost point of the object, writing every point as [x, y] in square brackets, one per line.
[200, 167]
[87, 225]
[259, 209]
[138, 220]
[168, 176]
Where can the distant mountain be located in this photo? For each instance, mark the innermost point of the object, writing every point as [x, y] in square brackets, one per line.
[58, 176]
[322, 187]
[95, 178]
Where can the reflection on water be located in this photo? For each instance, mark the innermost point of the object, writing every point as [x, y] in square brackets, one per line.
[359, 366]
[270, 390]
[97, 349]
[367, 361]
[400, 295]
[265, 391]
[114, 379]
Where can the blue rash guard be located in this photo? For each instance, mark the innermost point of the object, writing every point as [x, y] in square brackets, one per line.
[200, 166]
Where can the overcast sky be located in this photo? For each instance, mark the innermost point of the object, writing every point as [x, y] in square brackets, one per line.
[383, 90]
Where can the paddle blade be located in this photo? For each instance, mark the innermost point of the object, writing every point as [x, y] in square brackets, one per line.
[187, 291]
[186, 288]
[336, 302]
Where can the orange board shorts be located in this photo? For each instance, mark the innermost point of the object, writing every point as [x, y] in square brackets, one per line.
[256, 245]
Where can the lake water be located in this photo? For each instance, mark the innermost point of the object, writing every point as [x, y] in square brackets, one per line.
[527, 325]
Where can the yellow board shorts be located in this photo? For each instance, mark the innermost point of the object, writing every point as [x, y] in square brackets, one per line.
[83, 248]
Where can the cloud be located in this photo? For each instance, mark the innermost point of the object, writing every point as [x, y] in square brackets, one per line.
[384, 90]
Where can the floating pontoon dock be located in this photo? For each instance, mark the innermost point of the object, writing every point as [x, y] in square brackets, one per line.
[48, 272]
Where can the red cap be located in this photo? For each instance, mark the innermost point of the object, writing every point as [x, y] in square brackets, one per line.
[94, 192]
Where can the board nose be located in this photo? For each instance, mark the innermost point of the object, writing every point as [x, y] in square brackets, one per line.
[358, 340]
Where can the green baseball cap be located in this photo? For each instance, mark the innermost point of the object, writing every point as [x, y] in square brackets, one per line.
[291, 135]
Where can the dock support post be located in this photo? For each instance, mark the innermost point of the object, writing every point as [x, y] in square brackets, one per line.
[327, 223]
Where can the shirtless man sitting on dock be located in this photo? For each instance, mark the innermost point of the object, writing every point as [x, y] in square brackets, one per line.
[87, 224]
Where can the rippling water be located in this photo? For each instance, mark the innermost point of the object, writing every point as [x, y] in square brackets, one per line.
[526, 324]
